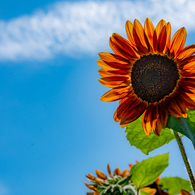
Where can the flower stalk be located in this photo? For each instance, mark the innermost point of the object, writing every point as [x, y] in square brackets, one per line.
[185, 159]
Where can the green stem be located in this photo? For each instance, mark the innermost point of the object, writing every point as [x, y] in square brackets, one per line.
[185, 159]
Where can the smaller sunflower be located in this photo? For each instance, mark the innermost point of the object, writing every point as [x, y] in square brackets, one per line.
[104, 182]
[149, 74]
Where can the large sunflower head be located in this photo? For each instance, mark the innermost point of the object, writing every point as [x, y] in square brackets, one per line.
[150, 74]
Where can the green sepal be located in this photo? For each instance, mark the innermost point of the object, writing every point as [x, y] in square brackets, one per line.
[146, 143]
[124, 181]
[186, 126]
[173, 185]
[146, 172]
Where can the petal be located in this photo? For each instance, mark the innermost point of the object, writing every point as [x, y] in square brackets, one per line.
[174, 108]
[190, 104]
[149, 32]
[151, 191]
[125, 173]
[105, 66]
[133, 112]
[117, 171]
[186, 52]
[109, 73]
[159, 27]
[162, 39]
[139, 37]
[146, 120]
[124, 45]
[101, 175]
[184, 192]
[109, 57]
[129, 31]
[91, 187]
[115, 94]
[113, 82]
[124, 106]
[109, 171]
[178, 42]
[168, 32]
[163, 113]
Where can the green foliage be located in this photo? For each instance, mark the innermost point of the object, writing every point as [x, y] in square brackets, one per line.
[173, 185]
[146, 143]
[146, 172]
[117, 185]
[186, 126]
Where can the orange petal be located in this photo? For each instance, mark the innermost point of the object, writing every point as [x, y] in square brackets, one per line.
[151, 191]
[105, 66]
[162, 39]
[146, 120]
[109, 57]
[184, 192]
[109, 171]
[149, 32]
[129, 31]
[110, 73]
[139, 37]
[168, 32]
[178, 42]
[125, 173]
[186, 52]
[91, 187]
[115, 94]
[124, 45]
[101, 175]
[113, 82]
[117, 171]
[159, 27]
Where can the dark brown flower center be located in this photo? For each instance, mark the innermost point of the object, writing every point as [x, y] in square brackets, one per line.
[153, 77]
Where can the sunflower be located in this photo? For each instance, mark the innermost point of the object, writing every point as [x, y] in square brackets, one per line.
[101, 177]
[149, 74]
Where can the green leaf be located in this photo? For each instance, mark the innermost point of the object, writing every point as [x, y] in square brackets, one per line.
[173, 185]
[146, 172]
[186, 126]
[146, 143]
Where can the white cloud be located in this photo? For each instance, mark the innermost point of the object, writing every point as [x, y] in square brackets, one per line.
[84, 27]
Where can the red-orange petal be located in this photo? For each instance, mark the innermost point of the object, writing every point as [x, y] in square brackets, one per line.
[186, 52]
[133, 112]
[149, 32]
[129, 31]
[113, 82]
[178, 41]
[115, 94]
[146, 120]
[139, 37]
[162, 39]
[124, 45]
[184, 192]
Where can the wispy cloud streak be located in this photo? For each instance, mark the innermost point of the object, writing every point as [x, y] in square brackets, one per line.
[84, 27]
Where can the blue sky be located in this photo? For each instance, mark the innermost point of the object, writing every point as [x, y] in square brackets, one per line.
[54, 128]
